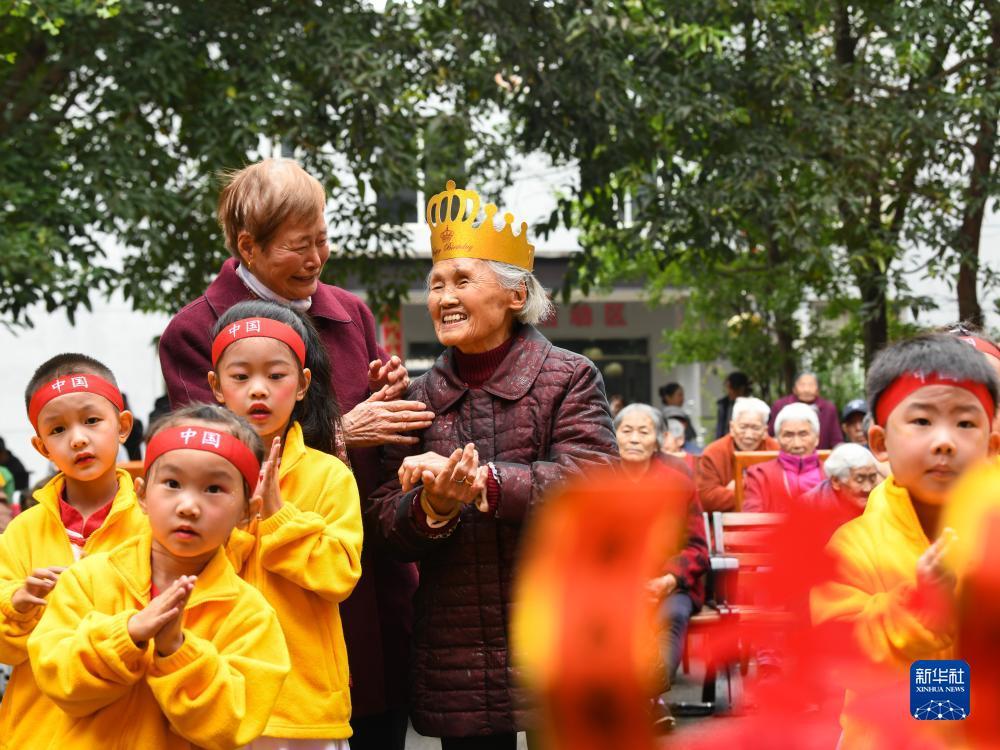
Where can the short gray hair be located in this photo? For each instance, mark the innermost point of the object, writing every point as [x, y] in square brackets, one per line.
[845, 457]
[750, 405]
[650, 412]
[797, 412]
[675, 427]
[537, 305]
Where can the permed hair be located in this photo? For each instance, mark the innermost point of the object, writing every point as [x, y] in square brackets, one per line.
[261, 197]
[654, 414]
[928, 353]
[318, 412]
[69, 363]
[845, 457]
[236, 426]
[794, 413]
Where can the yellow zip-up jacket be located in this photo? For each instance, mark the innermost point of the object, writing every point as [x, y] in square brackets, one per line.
[875, 574]
[305, 559]
[216, 691]
[37, 539]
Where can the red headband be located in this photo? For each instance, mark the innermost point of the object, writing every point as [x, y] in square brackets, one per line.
[906, 384]
[88, 383]
[986, 347]
[249, 328]
[211, 441]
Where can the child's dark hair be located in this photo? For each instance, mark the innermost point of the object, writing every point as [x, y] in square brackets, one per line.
[318, 412]
[69, 363]
[235, 425]
[927, 353]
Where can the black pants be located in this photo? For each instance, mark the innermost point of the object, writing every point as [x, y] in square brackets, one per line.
[386, 731]
[492, 742]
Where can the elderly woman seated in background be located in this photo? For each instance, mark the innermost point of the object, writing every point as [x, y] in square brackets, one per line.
[852, 474]
[515, 417]
[681, 589]
[747, 432]
[774, 485]
[673, 444]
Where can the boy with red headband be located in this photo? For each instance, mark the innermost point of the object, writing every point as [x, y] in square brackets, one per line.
[80, 421]
[158, 644]
[934, 400]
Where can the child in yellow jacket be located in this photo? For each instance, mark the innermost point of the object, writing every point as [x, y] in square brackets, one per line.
[304, 555]
[934, 400]
[158, 644]
[80, 421]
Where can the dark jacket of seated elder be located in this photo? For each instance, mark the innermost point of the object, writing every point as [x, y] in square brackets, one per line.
[540, 415]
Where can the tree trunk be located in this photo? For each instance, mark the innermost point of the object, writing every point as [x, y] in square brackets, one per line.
[874, 313]
[977, 191]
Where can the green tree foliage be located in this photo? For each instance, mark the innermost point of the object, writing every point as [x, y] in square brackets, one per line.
[114, 130]
[775, 157]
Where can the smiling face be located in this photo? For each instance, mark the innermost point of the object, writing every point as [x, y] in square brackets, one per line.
[193, 499]
[636, 438]
[80, 433]
[748, 431]
[469, 308]
[797, 437]
[259, 378]
[291, 264]
[931, 437]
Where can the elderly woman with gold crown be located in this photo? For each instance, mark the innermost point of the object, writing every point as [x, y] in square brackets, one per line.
[515, 415]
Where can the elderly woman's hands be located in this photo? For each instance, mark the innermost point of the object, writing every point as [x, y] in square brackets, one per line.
[392, 375]
[379, 420]
[449, 482]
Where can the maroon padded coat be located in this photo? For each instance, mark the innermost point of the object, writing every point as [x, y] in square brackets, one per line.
[377, 615]
[541, 417]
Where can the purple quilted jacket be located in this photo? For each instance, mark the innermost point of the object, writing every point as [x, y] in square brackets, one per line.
[542, 417]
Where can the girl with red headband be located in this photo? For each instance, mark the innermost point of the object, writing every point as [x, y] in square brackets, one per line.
[80, 421]
[158, 643]
[304, 553]
[934, 400]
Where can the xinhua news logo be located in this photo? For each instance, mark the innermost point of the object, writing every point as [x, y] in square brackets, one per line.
[939, 690]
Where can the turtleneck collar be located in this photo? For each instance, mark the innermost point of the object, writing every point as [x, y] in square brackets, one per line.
[476, 369]
[258, 287]
[798, 464]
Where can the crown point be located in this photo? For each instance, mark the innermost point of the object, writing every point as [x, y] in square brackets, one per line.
[450, 185]
[491, 209]
[509, 218]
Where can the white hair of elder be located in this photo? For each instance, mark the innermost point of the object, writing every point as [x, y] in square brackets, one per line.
[844, 458]
[537, 305]
[797, 412]
[675, 427]
[649, 411]
[750, 405]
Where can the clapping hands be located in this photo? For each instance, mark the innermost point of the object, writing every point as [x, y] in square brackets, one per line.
[449, 481]
[161, 620]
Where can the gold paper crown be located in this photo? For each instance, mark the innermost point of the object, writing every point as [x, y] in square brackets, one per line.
[450, 215]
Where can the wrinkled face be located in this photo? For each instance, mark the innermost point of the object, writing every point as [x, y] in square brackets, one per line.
[193, 499]
[856, 488]
[291, 264]
[853, 430]
[806, 389]
[931, 437]
[748, 431]
[797, 437]
[469, 308]
[260, 379]
[80, 433]
[636, 438]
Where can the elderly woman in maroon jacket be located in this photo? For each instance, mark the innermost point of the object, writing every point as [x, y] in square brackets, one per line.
[680, 591]
[272, 216]
[515, 416]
